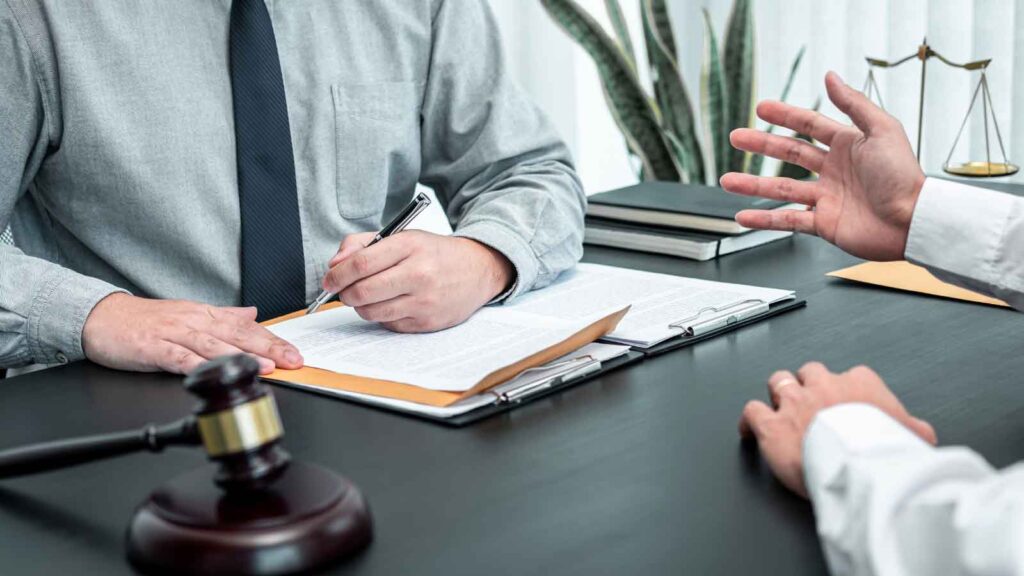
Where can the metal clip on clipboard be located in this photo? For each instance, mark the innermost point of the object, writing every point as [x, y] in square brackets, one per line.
[573, 369]
[720, 317]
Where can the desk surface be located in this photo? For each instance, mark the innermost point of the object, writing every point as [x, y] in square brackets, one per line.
[637, 472]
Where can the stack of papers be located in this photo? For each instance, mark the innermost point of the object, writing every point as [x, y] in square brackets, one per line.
[661, 306]
[544, 338]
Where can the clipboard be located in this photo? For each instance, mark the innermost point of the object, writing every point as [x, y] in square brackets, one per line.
[308, 377]
[689, 339]
[499, 406]
[571, 378]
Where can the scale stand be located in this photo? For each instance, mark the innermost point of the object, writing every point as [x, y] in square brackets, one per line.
[973, 169]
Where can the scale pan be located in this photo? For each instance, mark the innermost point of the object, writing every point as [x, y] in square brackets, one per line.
[981, 169]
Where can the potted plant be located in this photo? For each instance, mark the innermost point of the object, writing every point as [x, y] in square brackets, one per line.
[660, 129]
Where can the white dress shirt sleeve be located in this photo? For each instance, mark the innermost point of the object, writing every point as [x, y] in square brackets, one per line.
[970, 237]
[888, 504]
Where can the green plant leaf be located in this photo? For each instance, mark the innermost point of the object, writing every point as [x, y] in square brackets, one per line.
[714, 100]
[682, 154]
[621, 29]
[656, 13]
[738, 70]
[788, 170]
[757, 159]
[792, 73]
[627, 100]
[671, 95]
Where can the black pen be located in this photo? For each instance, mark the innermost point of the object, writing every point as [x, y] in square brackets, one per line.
[397, 224]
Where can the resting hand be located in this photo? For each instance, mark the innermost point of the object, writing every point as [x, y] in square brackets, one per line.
[797, 399]
[869, 178]
[417, 281]
[130, 333]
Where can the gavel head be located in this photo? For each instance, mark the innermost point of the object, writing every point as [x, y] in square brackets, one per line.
[238, 422]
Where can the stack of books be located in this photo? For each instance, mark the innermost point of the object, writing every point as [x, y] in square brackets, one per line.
[684, 220]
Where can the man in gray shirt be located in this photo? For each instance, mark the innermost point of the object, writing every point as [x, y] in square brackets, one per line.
[120, 126]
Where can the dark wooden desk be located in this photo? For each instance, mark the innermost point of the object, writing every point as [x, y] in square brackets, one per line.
[639, 472]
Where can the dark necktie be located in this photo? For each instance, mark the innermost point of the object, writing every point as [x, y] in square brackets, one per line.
[273, 268]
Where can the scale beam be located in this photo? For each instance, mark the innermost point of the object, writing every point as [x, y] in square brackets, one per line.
[983, 169]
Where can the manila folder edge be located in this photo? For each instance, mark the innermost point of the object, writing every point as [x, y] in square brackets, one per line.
[319, 378]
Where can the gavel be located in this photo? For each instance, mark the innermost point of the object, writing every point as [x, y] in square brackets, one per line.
[253, 511]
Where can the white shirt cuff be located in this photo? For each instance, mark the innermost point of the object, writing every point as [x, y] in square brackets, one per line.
[958, 229]
[842, 432]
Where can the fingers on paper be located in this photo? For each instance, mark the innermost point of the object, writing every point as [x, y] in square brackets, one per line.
[775, 188]
[785, 148]
[864, 114]
[755, 415]
[255, 339]
[791, 220]
[800, 120]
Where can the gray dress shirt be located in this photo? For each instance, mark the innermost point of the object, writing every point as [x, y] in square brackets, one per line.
[117, 153]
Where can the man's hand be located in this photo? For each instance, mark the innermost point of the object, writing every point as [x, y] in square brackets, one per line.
[797, 399]
[869, 178]
[417, 281]
[130, 333]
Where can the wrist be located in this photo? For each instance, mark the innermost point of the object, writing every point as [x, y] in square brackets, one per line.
[496, 271]
[96, 322]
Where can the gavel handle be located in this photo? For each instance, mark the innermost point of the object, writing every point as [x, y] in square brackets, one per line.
[65, 453]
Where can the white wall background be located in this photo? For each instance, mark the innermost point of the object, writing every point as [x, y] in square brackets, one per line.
[837, 34]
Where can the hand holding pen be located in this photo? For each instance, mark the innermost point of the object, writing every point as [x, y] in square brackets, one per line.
[416, 281]
[397, 224]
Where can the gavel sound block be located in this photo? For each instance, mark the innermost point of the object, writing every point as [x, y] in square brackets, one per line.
[250, 512]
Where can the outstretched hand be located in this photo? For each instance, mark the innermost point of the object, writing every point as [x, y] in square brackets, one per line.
[869, 180]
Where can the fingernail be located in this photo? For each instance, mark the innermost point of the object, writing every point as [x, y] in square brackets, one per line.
[293, 356]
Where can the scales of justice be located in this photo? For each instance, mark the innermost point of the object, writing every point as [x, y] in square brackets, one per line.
[975, 168]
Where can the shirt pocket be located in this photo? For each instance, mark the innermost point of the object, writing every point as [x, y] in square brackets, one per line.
[377, 144]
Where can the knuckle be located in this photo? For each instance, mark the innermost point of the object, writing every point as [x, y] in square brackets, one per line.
[240, 333]
[358, 294]
[369, 313]
[361, 264]
[794, 153]
[384, 313]
[862, 371]
[785, 188]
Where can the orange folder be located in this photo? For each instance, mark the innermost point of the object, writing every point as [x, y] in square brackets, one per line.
[396, 390]
[910, 278]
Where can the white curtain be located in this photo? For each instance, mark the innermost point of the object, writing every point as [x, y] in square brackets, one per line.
[838, 34]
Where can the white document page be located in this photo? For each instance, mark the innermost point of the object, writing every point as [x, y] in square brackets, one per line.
[599, 353]
[657, 300]
[452, 360]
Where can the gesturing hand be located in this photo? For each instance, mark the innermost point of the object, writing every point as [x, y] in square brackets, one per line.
[797, 399]
[869, 179]
[417, 281]
[131, 333]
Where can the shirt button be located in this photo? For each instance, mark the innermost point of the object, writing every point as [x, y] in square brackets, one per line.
[61, 358]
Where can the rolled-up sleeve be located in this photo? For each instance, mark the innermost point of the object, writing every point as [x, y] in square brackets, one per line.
[43, 306]
[970, 237]
[506, 177]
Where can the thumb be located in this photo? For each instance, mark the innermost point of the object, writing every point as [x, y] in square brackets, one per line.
[865, 115]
